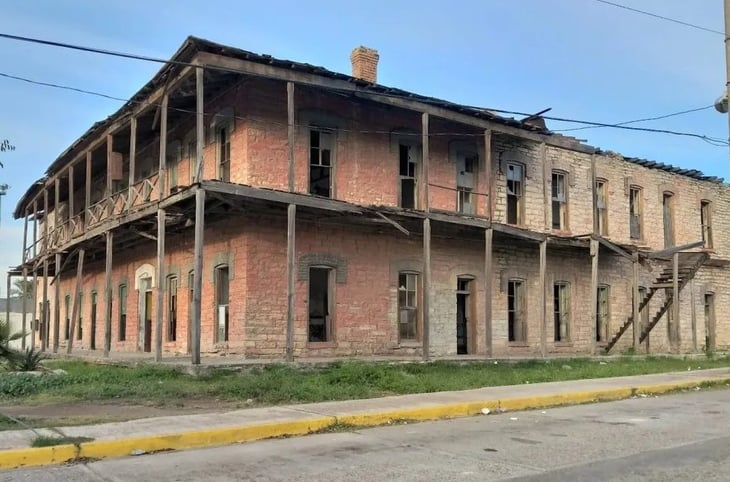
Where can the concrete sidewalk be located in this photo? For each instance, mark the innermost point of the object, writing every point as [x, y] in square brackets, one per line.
[135, 437]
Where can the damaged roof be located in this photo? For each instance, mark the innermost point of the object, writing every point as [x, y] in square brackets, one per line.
[193, 45]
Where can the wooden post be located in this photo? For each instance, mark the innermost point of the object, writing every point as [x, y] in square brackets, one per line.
[87, 202]
[426, 338]
[163, 148]
[674, 329]
[199, 121]
[46, 219]
[290, 254]
[108, 293]
[25, 236]
[160, 278]
[694, 313]
[132, 159]
[594, 293]
[35, 307]
[488, 235]
[70, 198]
[35, 229]
[488, 171]
[76, 307]
[44, 306]
[543, 301]
[24, 315]
[198, 269]
[635, 303]
[7, 300]
[56, 301]
[56, 212]
[546, 194]
[290, 131]
[426, 287]
[594, 201]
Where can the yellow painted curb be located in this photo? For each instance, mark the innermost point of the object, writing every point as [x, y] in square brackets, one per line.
[28, 457]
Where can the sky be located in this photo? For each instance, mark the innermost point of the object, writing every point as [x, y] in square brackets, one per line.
[583, 58]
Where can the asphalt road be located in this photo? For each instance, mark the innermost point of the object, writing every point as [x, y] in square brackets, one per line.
[679, 437]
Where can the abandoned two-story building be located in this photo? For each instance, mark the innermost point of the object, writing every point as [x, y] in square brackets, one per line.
[270, 208]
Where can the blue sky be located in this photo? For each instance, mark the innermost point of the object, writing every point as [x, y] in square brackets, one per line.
[585, 59]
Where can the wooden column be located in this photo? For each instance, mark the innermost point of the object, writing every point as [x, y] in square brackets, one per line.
[35, 307]
[199, 121]
[426, 338]
[46, 244]
[132, 159]
[7, 300]
[594, 202]
[488, 172]
[56, 302]
[635, 303]
[488, 235]
[290, 272]
[25, 235]
[70, 197]
[290, 131]
[108, 293]
[198, 270]
[543, 301]
[594, 292]
[546, 194]
[291, 226]
[160, 282]
[24, 315]
[693, 313]
[56, 204]
[35, 229]
[87, 196]
[44, 305]
[675, 302]
[76, 307]
[161, 233]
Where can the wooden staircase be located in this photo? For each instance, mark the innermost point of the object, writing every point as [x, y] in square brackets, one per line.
[689, 263]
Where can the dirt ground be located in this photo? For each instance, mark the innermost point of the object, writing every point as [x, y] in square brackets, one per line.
[82, 413]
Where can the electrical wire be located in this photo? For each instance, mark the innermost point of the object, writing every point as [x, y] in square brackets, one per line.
[174, 62]
[662, 17]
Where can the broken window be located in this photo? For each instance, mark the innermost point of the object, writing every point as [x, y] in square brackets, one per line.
[602, 207]
[515, 181]
[516, 322]
[67, 318]
[407, 305]
[221, 303]
[602, 313]
[635, 212]
[408, 166]
[80, 329]
[561, 311]
[706, 221]
[122, 312]
[223, 137]
[320, 162]
[559, 201]
[668, 213]
[172, 308]
[709, 321]
[320, 304]
[92, 341]
[465, 182]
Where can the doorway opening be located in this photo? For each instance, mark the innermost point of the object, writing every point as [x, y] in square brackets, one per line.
[463, 315]
[145, 312]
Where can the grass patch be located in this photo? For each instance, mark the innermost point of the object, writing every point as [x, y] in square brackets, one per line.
[53, 440]
[280, 384]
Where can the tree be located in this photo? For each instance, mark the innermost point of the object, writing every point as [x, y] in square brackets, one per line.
[22, 288]
[6, 336]
[5, 146]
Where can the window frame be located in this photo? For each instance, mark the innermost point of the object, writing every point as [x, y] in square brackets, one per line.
[562, 314]
[636, 211]
[217, 284]
[668, 206]
[330, 304]
[414, 309]
[517, 314]
[601, 213]
[223, 151]
[331, 135]
[67, 312]
[416, 162]
[603, 316]
[172, 308]
[519, 219]
[466, 195]
[706, 223]
[122, 314]
[555, 201]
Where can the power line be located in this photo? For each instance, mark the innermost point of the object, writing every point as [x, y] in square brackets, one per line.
[590, 124]
[645, 119]
[662, 17]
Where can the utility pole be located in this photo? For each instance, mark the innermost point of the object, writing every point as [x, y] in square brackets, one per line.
[726, 4]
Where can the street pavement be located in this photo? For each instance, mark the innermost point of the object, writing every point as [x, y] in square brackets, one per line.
[674, 437]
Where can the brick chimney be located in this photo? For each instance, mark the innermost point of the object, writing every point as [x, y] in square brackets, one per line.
[365, 63]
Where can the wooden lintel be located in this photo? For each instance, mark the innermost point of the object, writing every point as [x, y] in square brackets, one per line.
[395, 224]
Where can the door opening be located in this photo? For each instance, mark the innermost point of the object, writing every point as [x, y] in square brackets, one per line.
[463, 314]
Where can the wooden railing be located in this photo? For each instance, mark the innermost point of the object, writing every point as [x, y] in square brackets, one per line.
[140, 194]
